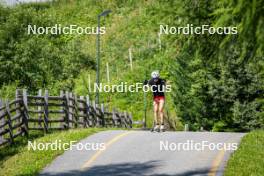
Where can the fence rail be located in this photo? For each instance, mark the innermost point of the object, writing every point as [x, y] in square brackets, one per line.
[45, 112]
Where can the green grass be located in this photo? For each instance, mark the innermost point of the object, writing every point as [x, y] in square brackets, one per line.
[249, 158]
[10, 150]
[18, 160]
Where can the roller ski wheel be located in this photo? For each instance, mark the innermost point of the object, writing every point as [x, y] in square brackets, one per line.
[162, 128]
[156, 129]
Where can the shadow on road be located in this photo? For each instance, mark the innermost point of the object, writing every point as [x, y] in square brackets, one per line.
[127, 169]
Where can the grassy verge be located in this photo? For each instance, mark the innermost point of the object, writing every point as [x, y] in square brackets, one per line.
[18, 160]
[248, 159]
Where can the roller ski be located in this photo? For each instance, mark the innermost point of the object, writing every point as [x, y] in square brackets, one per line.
[162, 128]
[158, 128]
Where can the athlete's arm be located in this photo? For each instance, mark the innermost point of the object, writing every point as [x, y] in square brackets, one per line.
[149, 82]
[163, 82]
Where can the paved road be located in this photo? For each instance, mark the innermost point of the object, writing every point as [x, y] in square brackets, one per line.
[136, 153]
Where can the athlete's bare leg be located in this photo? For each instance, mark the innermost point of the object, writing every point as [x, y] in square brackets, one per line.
[156, 110]
[161, 114]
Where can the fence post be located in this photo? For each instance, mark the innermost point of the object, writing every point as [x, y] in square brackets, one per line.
[107, 73]
[67, 110]
[120, 118]
[89, 83]
[20, 110]
[25, 111]
[113, 117]
[76, 117]
[2, 121]
[46, 111]
[70, 110]
[88, 114]
[126, 119]
[97, 123]
[9, 122]
[130, 58]
[62, 124]
[103, 114]
[130, 120]
[106, 116]
[83, 111]
[17, 105]
[40, 109]
[186, 127]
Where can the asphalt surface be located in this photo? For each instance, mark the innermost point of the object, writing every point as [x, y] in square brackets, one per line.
[129, 153]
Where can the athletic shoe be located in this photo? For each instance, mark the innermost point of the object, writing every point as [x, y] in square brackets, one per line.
[162, 128]
[156, 128]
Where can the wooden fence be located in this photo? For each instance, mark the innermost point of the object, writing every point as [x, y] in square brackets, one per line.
[45, 112]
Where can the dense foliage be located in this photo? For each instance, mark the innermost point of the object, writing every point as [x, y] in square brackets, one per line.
[218, 80]
[225, 72]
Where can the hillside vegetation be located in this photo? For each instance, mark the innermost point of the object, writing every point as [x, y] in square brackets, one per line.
[217, 80]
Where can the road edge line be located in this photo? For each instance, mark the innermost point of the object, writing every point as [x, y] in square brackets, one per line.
[88, 163]
[216, 163]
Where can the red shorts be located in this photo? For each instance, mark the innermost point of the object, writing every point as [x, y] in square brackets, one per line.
[157, 99]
